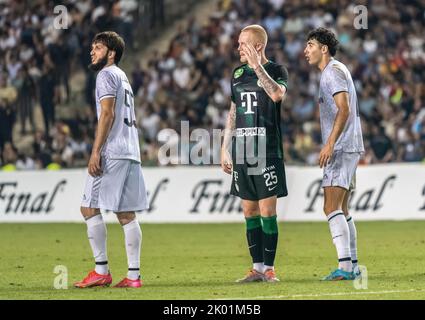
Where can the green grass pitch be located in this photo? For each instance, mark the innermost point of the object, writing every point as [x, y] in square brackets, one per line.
[201, 261]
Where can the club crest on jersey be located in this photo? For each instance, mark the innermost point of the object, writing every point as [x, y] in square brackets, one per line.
[238, 73]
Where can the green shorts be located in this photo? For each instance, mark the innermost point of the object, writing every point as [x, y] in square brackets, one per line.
[267, 181]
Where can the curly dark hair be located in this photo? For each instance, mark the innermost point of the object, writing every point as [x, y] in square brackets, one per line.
[112, 41]
[325, 37]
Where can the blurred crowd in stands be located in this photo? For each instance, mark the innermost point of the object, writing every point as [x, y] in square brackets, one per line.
[191, 80]
[37, 61]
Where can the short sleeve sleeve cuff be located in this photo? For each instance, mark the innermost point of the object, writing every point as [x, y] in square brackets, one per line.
[107, 85]
[337, 81]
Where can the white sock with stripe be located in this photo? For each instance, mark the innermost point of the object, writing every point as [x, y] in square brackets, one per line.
[133, 242]
[96, 232]
[353, 240]
[341, 239]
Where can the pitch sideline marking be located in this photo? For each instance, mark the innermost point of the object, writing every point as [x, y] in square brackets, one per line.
[325, 294]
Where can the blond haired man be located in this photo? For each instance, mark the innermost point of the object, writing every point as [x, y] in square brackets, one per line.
[252, 148]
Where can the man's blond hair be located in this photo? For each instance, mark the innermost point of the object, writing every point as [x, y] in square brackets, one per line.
[258, 31]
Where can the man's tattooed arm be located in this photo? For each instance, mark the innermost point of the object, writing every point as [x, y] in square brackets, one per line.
[230, 126]
[275, 90]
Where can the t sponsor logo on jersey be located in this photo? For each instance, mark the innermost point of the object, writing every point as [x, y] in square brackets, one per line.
[238, 73]
[249, 100]
[250, 132]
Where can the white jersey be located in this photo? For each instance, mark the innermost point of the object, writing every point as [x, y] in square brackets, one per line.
[123, 139]
[336, 78]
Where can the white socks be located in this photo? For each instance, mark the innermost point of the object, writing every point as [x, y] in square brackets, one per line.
[341, 239]
[96, 231]
[268, 268]
[353, 240]
[258, 266]
[133, 241]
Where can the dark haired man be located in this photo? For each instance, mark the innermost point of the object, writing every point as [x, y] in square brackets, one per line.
[115, 181]
[343, 145]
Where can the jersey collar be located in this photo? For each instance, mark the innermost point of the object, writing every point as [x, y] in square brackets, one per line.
[329, 62]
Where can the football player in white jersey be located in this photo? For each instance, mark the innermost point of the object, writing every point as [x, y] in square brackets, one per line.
[343, 146]
[115, 181]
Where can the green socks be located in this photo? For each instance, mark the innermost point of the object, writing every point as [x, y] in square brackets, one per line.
[270, 235]
[254, 235]
[262, 236]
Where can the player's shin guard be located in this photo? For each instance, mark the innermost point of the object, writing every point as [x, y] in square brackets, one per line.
[96, 232]
[133, 242]
[341, 239]
[255, 241]
[353, 240]
[270, 236]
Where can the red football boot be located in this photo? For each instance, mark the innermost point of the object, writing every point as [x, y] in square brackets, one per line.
[94, 279]
[128, 283]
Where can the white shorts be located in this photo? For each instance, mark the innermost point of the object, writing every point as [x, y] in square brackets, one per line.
[341, 171]
[121, 187]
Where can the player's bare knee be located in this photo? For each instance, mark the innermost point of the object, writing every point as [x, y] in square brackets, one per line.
[329, 208]
[125, 218]
[250, 213]
[268, 207]
[250, 209]
[89, 212]
[124, 221]
[268, 211]
[345, 204]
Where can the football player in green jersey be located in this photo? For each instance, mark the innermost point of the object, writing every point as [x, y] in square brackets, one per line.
[252, 149]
